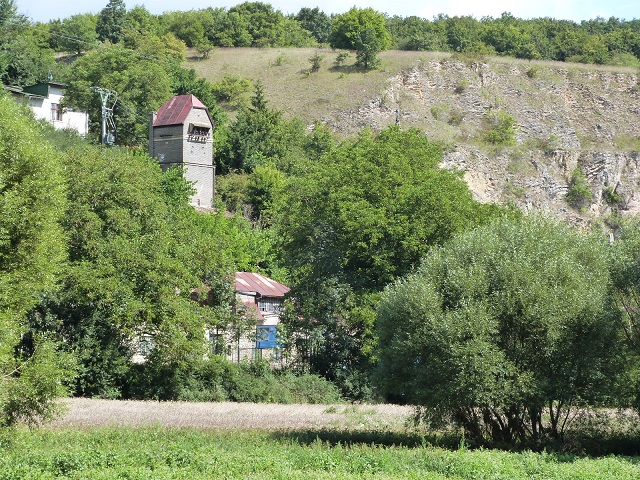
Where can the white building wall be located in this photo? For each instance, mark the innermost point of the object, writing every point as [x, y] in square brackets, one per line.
[43, 109]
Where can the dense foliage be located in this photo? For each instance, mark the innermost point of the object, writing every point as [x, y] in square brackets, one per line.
[357, 218]
[27, 50]
[505, 329]
[32, 254]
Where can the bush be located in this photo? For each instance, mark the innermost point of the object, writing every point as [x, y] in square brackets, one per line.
[462, 86]
[504, 330]
[610, 196]
[578, 193]
[501, 128]
[216, 379]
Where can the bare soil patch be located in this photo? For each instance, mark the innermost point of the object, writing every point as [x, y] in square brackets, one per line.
[83, 412]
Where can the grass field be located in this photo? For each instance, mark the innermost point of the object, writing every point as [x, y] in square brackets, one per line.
[174, 453]
[99, 439]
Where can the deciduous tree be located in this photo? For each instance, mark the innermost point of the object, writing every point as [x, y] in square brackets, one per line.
[32, 252]
[504, 330]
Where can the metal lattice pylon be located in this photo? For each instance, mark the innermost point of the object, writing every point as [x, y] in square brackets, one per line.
[108, 130]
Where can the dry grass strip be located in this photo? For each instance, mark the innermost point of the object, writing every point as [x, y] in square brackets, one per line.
[83, 412]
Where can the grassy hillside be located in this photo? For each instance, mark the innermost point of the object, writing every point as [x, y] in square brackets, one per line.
[308, 96]
[314, 96]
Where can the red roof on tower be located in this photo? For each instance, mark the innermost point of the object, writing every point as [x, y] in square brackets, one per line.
[176, 109]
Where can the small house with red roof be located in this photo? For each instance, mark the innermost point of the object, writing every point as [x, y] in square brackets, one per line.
[181, 134]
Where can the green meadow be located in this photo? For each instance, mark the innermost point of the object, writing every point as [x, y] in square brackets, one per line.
[161, 453]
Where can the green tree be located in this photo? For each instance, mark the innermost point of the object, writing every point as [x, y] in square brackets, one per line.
[463, 33]
[316, 22]
[504, 330]
[259, 135]
[31, 258]
[26, 59]
[367, 48]
[270, 28]
[142, 84]
[112, 21]
[348, 27]
[359, 216]
[78, 33]
[136, 252]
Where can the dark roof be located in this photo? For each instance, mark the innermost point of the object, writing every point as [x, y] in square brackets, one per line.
[263, 286]
[176, 109]
[42, 88]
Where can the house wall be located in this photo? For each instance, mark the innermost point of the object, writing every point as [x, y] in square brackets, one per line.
[41, 105]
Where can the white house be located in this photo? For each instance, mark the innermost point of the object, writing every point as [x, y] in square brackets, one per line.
[45, 99]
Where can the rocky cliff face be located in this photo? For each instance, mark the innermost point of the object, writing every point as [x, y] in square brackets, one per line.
[567, 116]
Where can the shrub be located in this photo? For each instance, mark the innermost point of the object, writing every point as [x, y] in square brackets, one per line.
[341, 58]
[501, 128]
[578, 193]
[610, 196]
[461, 86]
[232, 89]
[316, 60]
[216, 379]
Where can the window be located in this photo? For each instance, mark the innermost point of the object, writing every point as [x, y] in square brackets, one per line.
[270, 305]
[199, 129]
[56, 112]
[217, 346]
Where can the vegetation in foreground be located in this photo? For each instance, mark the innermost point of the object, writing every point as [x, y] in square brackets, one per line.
[184, 453]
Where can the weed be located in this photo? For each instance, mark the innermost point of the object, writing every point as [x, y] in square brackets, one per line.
[280, 60]
[532, 72]
[437, 111]
[500, 128]
[199, 454]
[627, 142]
[461, 86]
[579, 192]
[455, 117]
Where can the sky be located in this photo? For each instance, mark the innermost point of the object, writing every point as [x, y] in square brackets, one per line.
[577, 10]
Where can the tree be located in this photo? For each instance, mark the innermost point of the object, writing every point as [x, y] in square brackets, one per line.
[347, 28]
[504, 330]
[315, 21]
[268, 27]
[350, 222]
[31, 259]
[367, 47]
[142, 83]
[25, 59]
[136, 252]
[259, 135]
[111, 21]
[625, 271]
[78, 33]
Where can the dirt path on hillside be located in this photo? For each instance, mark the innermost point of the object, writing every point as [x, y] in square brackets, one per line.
[82, 412]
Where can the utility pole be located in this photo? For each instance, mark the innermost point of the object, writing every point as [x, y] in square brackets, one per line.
[108, 130]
